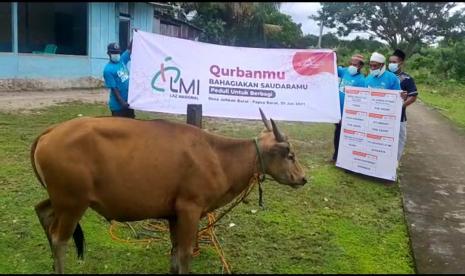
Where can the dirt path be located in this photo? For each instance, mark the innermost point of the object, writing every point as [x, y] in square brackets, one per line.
[27, 100]
[432, 181]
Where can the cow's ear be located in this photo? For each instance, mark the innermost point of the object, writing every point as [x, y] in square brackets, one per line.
[282, 149]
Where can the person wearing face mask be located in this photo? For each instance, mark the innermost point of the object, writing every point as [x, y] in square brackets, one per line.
[379, 77]
[116, 76]
[409, 94]
[350, 76]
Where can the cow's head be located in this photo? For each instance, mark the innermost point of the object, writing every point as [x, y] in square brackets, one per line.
[279, 156]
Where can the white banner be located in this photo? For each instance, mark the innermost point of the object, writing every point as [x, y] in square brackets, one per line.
[296, 85]
[370, 131]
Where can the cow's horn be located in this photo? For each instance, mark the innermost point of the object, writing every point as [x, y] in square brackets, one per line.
[277, 134]
[265, 121]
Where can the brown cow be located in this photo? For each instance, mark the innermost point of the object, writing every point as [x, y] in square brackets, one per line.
[129, 170]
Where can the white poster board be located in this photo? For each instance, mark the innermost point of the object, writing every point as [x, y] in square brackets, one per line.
[370, 132]
[168, 73]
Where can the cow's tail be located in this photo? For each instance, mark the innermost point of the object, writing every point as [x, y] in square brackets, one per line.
[33, 151]
[78, 234]
[78, 237]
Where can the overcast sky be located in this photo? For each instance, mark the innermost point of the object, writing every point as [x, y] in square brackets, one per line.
[300, 11]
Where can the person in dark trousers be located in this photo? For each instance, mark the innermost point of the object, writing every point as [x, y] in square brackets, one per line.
[350, 76]
[409, 94]
[116, 76]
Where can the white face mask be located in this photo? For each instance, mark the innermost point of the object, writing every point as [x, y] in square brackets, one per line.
[115, 57]
[375, 72]
[393, 67]
[352, 70]
[378, 72]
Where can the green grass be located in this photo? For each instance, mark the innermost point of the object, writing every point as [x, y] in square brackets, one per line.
[449, 99]
[340, 223]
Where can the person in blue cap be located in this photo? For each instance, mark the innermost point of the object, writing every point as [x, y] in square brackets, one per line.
[116, 76]
[350, 76]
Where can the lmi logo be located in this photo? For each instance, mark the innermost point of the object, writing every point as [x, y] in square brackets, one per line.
[176, 83]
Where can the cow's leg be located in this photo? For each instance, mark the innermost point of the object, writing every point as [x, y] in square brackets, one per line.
[61, 230]
[44, 212]
[174, 260]
[188, 217]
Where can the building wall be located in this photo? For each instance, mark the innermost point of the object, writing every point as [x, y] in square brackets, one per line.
[143, 17]
[103, 28]
[156, 27]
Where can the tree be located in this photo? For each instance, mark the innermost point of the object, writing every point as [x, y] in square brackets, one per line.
[210, 18]
[243, 23]
[406, 25]
[306, 41]
[458, 32]
[249, 31]
[278, 29]
[218, 19]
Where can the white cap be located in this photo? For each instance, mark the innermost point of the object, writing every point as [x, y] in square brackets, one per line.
[377, 57]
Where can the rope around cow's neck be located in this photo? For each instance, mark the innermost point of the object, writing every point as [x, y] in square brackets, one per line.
[261, 176]
[258, 177]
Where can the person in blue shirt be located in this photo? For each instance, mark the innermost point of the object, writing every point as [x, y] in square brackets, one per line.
[350, 76]
[116, 76]
[409, 94]
[379, 77]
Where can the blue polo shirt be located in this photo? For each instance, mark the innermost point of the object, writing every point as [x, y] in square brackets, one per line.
[116, 75]
[387, 80]
[357, 80]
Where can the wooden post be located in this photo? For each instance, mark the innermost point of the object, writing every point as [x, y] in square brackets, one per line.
[194, 115]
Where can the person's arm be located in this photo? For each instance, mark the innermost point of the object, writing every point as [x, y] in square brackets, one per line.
[130, 43]
[410, 100]
[130, 46]
[340, 71]
[403, 95]
[411, 92]
[120, 99]
[126, 57]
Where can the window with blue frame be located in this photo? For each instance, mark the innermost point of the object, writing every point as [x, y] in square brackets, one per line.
[52, 28]
[6, 30]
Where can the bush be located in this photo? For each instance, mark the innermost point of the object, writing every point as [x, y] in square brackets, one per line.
[444, 63]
